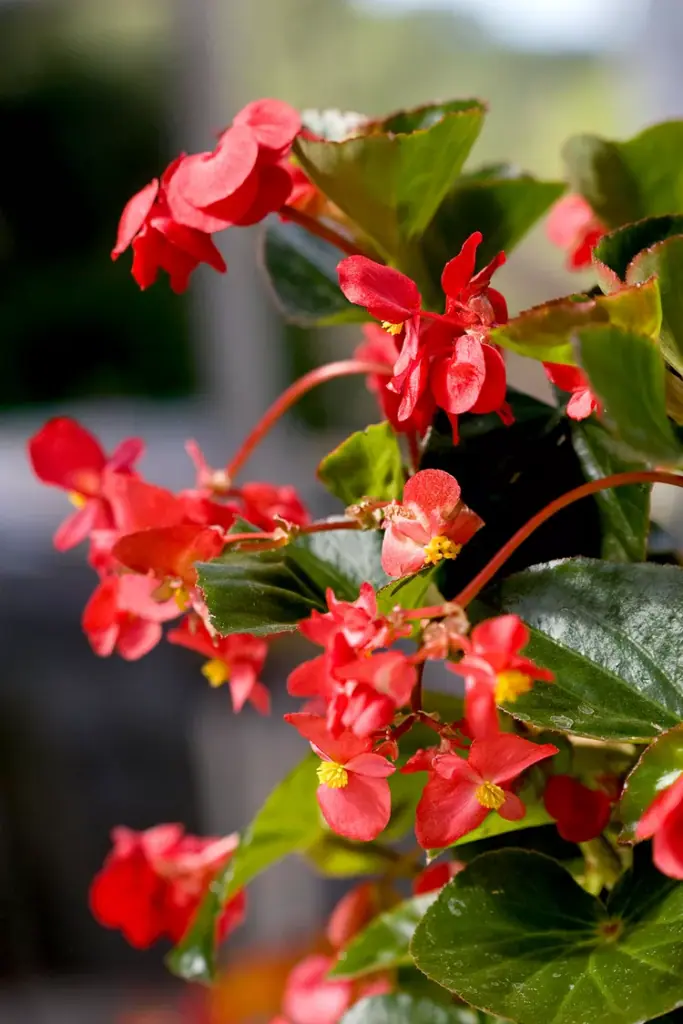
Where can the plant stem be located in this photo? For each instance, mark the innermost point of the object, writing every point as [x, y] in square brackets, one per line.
[344, 368]
[416, 695]
[316, 227]
[592, 487]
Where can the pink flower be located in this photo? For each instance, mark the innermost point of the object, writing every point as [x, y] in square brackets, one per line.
[237, 659]
[430, 524]
[64, 454]
[122, 615]
[494, 670]
[663, 823]
[573, 226]
[353, 794]
[359, 622]
[461, 792]
[571, 378]
[352, 913]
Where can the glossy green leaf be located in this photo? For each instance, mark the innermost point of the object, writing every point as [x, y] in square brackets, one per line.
[383, 945]
[659, 766]
[369, 463]
[288, 822]
[402, 1008]
[627, 373]
[341, 559]
[611, 634]
[665, 260]
[546, 332]
[302, 271]
[504, 207]
[624, 511]
[625, 181]
[408, 591]
[515, 935]
[615, 252]
[391, 184]
[257, 593]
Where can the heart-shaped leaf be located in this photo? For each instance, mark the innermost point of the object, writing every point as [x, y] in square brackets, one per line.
[289, 821]
[624, 511]
[627, 373]
[341, 559]
[302, 271]
[369, 463]
[391, 182]
[665, 260]
[611, 634]
[515, 935]
[615, 252]
[659, 766]
[624, 181]
[402, 1008]
[546, 332]
[384, 943]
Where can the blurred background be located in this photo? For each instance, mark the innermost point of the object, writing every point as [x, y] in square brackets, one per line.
[95, 98]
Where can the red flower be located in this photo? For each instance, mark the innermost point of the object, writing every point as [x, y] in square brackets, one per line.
[357, 621]
[152, 882]
[352, 913]
[436, 876]
[237, 659]
[573, 226]
[160, 242]
[494, 670]
[122, 615]
[581, 813]
[65, 454]
[380, 347]
[353, 794]
[311, 998]
[663, 823]
[571, 378]
[169, 552]
[461, 792]
[429, 525]
[263, 504]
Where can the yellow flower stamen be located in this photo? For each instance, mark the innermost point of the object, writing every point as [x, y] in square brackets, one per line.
[391, 328]
[216, 671]
[490, 796]
[333, 775]
[510, 684]
[76, 499]
[181, 597]
[440, 547]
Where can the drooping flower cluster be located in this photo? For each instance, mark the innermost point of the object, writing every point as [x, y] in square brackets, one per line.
[169, 223]
[442, 360]
[144, 542]
[152, 882]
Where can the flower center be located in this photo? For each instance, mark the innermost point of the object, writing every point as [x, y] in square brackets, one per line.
[440, 547]
[490, 796]
[391, 328]
[510, 684]
[216, 671]
[333, 775]
[77, 500]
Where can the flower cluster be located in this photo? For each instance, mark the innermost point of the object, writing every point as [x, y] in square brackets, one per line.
[143, 543]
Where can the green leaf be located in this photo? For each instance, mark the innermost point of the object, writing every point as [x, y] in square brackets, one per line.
[625, 181]
[502, 206]
[288, 822]
[408, 591]
[341, 559]
[546, 332]
[402, 1008]
[336, 857]
[659, 766]
[391, 183]
[302, 271]
[513, 933]
[665, 260]
[369, 463]
[611, 634]
[616, 251]
[627, 373]
[257, 593]
[383, 945]
[624, 511]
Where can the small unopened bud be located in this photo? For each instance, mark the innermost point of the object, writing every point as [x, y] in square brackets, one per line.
[440, 638]
[368, 513]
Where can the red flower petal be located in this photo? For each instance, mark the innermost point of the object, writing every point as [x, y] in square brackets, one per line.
[373, 766]
[433, 491]
[667, 847]
[137, 637]
[310, 998]
[669, 801]
[65, 454]
[448, 810]
[581, 813]
[360, 810]
[458, 271]
[387, 294]
[137, 505]
[504, 633]
[207, 178]
[275, 124]
[78, 526]
[353, 911]
[337, 748]
[134, 215]
[506, 756]
[493, 390]
[168, 552]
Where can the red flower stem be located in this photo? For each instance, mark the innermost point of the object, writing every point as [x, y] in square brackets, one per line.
[432, 611]
[279, 537]
[399, 730]
[344, 368]
[416, 695]
[592, 487]
[340, 524]
[315, 227]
